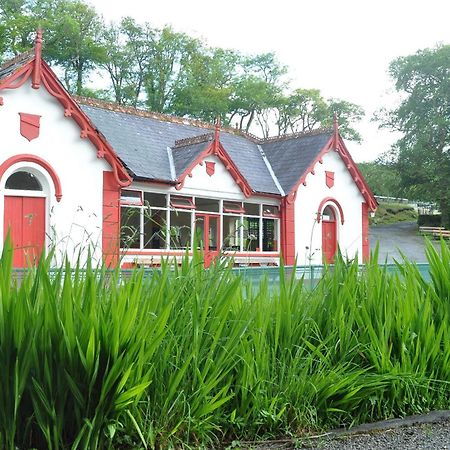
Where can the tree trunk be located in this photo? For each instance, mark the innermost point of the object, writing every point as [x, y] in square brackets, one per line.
[445, 212]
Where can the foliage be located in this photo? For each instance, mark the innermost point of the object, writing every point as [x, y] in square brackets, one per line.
[74, 352]
[393, 213]
[422, 155]
[382, 178]
[185, 356]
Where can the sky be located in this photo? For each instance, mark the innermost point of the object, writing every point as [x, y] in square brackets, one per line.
[341, 47]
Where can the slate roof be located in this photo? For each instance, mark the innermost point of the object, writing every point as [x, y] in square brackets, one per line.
[14, 64]
[290, 157]
[185, 155]
[141, 144]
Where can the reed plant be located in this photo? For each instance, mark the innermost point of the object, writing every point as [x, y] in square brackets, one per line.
[184, 357]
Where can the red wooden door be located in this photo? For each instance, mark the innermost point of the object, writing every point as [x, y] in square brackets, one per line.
[24, 218]
[329, 241]
[208, 232]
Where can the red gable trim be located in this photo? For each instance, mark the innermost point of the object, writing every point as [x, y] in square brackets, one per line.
[71, 109]
[336, 143]
[216, 148]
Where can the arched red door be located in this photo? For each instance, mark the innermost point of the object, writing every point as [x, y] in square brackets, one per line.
[329, 235]
[24, 217]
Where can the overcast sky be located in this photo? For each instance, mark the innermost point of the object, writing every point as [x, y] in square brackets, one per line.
[341, 47]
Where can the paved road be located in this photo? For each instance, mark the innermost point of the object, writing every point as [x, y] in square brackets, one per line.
[398, 238]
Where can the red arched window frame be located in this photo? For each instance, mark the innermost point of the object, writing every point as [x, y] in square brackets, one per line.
[335, 203]
[40, 162]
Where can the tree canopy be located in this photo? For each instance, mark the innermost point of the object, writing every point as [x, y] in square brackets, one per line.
[422, 155]
[166, 71]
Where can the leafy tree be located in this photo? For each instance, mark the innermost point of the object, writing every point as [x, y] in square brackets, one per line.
[127, 49]
[303, 110]
[347, 113]
[207, 86]
[170, 55]
[74, 41]
[422, 155]
[383, 179]
[306, 110]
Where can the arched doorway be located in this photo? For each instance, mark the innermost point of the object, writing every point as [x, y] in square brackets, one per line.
[25, 211]
[329, 234]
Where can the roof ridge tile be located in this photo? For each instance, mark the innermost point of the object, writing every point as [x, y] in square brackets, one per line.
[193, 140]
[286, 137]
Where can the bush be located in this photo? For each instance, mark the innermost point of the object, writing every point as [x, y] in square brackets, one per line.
[429, 220]
[393, 213]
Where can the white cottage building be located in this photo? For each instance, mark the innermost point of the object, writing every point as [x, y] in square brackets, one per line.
[136, 186]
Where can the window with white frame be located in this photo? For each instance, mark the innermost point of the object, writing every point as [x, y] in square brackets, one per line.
[156, 221]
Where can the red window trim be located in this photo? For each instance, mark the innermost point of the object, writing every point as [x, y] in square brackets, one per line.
[174, 204]
[239, 208]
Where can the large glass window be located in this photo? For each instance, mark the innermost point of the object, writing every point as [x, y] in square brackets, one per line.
[180, 229]
[155, 228]
[251, 234]
[270, 235]
[154, 221]
[130, 227]
[232, 233]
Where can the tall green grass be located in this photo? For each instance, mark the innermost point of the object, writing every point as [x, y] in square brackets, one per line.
[189, 357]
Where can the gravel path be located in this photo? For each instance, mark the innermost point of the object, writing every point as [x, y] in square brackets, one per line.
[397, 238]
[421, 432]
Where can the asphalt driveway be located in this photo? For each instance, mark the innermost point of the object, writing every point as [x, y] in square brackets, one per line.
[397, 238]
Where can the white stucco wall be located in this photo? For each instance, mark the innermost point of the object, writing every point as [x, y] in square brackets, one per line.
[76, 221]
[308, 233]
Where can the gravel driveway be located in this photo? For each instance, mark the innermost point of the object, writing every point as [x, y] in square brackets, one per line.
[421, 432]
[398, 237]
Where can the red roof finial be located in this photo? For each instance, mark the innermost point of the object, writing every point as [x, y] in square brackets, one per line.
[217, 128]
[36, 80]
[336, 129]
[216, 133]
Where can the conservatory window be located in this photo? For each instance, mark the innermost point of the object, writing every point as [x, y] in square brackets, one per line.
[232, 233]
[233, 207]
[207, 204]
[251, 234]
[130, 227]
[181, 202]
[128, 197]
[180, 229]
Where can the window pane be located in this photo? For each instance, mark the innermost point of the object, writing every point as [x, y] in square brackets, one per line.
[130, 226]
[181, 202]
[271, 210]
[180, 229]
[155, 200]
[23, 180]
[155, 228]
[231, 233]
[206, 204]
[251, 234]
[233, 207]
[328, 213]
[131, 197]
[251, 209]
[270, 235]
